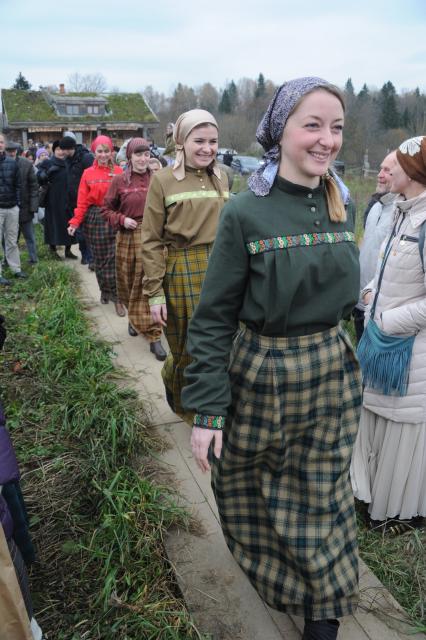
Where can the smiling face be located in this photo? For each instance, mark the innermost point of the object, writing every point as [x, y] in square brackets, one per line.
[384, 176]
[140, 161]
[103, 155]
[312, 138]
[59, 153]
[201, 146]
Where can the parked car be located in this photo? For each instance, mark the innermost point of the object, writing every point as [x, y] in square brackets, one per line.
[245, 165]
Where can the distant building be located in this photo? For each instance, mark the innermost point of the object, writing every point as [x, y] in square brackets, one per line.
[44, 115]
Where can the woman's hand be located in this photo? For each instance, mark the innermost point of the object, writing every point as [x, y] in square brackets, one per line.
[366, 298]
[159, 314]
[200, 442]
[129, 223]
[71, 230]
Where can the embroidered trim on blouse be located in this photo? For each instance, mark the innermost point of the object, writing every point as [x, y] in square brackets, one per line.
[209, 422]
[189, 195]
[302, 240]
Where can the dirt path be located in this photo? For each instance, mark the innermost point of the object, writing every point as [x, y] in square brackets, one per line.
[219, 596]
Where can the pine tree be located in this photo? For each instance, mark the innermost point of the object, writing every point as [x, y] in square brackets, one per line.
[225, 102]
[260, 87]
[233, 95]
[389, 117]
[364, 93]
[349, 87]
[21, 83]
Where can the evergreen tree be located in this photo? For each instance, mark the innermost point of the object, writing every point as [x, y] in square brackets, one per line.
[364, 94]
[349, 87]
[389, 117]
[225, 102]
[233, 95]
[260, 87]
[21, 83]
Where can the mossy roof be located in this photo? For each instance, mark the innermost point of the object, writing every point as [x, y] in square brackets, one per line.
[32, 106]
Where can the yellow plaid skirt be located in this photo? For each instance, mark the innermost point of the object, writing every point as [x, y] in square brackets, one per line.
[182, 284]
[129, 270]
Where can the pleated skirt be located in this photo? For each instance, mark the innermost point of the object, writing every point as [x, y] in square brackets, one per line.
[282, 482]
[185, 272]
[101, 238]
[388, 469]
[129, 275]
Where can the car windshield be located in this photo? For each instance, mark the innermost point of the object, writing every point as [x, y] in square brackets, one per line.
[248, 161]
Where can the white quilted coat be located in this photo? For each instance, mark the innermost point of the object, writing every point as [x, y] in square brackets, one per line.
[401, 310]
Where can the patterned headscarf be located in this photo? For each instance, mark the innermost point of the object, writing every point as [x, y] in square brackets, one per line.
[134, 145]
[411, 155]
[184, 125]
[101, 140]
[271, 127]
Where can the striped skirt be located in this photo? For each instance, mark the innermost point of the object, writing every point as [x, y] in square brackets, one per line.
[185, 272]
[101, 238]
[129, 273]
[282, 482]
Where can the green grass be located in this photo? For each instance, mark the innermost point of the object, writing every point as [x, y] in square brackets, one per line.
[98, 518]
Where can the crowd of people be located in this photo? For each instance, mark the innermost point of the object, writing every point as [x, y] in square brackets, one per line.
[251, 292]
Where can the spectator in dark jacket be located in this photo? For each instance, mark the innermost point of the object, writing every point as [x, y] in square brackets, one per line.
[78, 158]
[29, 199]
[54, 173]
[10, 198]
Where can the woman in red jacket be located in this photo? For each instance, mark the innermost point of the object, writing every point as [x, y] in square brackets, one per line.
[124, 208]
[94, 184]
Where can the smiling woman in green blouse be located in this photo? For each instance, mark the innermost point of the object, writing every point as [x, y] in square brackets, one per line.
[273, 381]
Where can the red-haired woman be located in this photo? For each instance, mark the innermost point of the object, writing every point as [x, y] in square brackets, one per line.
[94, 184]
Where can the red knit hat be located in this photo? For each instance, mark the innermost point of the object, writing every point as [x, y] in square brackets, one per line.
[411, 155]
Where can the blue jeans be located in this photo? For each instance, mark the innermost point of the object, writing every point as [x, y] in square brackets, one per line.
[27, 229]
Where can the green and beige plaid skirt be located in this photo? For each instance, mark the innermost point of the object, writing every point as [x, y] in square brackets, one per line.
[129, 275]
[282, 483]
[184, 277]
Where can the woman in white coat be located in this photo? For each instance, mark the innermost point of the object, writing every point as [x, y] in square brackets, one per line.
[389, 460]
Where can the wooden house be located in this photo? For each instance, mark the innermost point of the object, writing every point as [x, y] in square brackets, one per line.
[42, 116]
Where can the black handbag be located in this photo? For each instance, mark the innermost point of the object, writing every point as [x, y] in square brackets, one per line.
[42, 194]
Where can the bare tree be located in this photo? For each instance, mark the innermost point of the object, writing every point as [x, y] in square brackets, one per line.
[208, 97]
[157, 101]
[90, 82]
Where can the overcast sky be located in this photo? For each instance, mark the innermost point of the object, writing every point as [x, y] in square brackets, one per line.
[135, 43]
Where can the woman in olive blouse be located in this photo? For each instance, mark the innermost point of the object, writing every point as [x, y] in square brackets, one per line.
[179, 226]
[278, 402]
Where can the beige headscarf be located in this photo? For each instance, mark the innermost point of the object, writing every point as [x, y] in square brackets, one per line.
[184, 125]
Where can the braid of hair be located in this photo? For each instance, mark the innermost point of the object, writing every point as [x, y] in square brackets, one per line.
[336, 207]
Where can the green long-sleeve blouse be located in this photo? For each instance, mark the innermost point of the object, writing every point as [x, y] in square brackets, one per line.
[281, 267]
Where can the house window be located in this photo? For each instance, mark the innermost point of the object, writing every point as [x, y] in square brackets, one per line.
[72, 109]
[93, 109]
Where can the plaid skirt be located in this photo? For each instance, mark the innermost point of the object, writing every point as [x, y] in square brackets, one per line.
[282, 482]
[129, 272]
[101, 239]
[185, 272]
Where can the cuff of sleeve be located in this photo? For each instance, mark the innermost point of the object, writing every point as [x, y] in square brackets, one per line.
[157, 300]
[208, 422]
